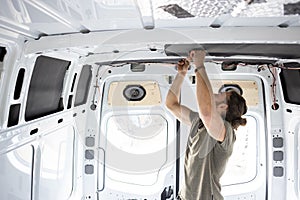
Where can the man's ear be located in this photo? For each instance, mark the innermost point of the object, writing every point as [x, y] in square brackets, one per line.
[223, 106]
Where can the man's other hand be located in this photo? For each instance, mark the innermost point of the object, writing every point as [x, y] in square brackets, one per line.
[183, 66]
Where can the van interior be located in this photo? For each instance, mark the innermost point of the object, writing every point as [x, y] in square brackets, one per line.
[83, 86]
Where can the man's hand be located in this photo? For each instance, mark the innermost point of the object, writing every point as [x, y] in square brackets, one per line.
[183, 66]
[197, 56]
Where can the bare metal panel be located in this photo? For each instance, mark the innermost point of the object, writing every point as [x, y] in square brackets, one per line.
[57, 164]
[16, 173]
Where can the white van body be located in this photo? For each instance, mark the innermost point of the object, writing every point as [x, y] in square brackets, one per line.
[83, 87]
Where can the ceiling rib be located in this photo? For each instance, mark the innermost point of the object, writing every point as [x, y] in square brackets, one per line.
[145, 11]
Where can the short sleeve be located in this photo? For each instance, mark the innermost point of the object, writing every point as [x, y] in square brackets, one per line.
[229, 139]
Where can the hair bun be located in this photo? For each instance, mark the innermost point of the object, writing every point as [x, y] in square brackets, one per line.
[239, 122]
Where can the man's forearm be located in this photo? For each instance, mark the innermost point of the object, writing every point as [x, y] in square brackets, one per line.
[203, 92]
[203, 87]
[174, 91]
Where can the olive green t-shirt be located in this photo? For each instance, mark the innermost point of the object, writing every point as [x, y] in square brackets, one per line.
[205, 161]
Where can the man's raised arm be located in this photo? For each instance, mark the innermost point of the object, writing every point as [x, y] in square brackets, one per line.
[172, 101]
[211, 118]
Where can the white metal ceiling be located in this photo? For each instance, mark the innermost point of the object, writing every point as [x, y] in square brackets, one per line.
[34, 18]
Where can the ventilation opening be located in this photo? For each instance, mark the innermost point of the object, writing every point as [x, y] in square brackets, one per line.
[73, 83]
[19, 83]
[2, 53]
[13, 117]
[70, 100]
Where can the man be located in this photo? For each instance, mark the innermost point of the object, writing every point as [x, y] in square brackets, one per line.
[212, 136]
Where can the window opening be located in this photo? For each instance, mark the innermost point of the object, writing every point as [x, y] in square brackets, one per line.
[242, 164]
[46, 86]
[143, 140]
[291, 85]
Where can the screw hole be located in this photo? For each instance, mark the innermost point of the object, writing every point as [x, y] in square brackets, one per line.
[275, 106]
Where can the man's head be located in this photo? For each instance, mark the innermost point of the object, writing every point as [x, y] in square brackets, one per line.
[232, 106]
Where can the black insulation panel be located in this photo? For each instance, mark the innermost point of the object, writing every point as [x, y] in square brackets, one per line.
[45, 89]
